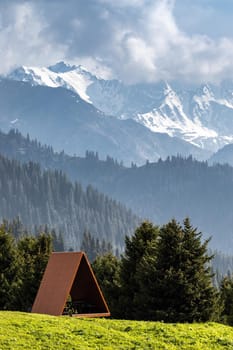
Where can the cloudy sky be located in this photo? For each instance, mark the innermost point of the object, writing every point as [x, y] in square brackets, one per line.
[135, 40]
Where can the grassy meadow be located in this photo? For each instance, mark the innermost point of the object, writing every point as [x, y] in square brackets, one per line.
[31, 331]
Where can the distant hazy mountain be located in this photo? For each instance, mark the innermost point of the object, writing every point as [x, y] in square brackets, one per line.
[223, 156]
[201, 115]
[59, 117]
[158, 191]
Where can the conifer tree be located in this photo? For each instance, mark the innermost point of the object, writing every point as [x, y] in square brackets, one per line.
[183, 288]
[136, 248]
[34, 253]
[9, 271]
[27, 254]
[43, 249]
[166, 275]
[226, 295]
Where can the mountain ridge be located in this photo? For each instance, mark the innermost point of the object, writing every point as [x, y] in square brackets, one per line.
[61, 118]
[199, 114]
[47, 197]
[175, 187]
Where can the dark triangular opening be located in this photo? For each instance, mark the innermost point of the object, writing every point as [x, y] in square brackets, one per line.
[85, 296]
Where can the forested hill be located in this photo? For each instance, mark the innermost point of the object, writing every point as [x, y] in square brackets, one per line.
[175, 187]
[14, 145]
[178, 188]
[48, 197]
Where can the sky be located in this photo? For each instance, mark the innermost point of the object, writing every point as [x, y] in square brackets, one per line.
[132, 40]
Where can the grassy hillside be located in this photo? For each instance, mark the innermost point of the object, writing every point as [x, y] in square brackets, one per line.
[28, 331]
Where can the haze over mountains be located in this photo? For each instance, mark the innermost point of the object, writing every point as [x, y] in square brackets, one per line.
[158, 191]
[46, 197]
[198, 114]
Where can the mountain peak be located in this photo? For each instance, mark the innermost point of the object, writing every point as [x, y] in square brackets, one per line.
[200, 114]
[61, 74]
[62, 67]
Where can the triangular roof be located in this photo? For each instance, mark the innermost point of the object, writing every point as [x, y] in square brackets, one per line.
[69, 273]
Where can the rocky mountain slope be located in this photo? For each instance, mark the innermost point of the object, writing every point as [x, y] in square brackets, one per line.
[61, 118]
[199, 114]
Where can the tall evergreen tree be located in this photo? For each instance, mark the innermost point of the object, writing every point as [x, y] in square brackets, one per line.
[136, 247]
[226, 295]
[183, 285]
[43, 249]
[34, 253]
[27, 254]
[9, 271]
[166, 275]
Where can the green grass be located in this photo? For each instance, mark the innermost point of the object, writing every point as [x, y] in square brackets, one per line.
[30, 331]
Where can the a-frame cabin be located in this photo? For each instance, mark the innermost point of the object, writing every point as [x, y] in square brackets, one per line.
[69, 287]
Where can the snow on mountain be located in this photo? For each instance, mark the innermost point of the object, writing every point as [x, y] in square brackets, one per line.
[74, 78]
[201, 115]
[170, 118]
[190, 121]
[60, 118]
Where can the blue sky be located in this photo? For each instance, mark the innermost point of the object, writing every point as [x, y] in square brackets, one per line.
[134, 40]
[210, 17]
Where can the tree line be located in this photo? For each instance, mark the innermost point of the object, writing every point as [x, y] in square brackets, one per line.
[14, 145]
[157, 191]
[22, 264]
[24, 255]
[165, 274]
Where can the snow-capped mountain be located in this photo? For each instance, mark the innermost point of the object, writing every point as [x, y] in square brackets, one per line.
[198, 117]
[201, 115]
[74, 78]
[60, 118]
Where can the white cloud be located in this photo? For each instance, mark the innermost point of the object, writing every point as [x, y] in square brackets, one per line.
[140, 40]
[22, 40]
[156, 48]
